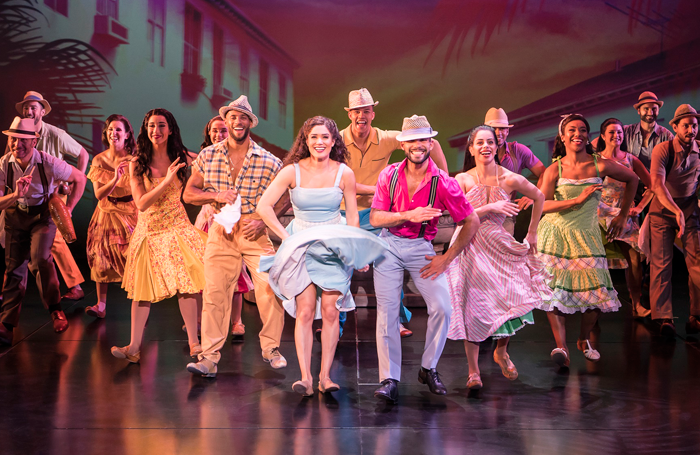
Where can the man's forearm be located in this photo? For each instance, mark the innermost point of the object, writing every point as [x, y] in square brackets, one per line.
[197, 196]
[83, 159]
[363, 190]
[661, 192]
[384, 219]
[8, 201]
[469, 228]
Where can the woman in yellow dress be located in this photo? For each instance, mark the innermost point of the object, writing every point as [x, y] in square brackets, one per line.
[115, 216]
[166, 251]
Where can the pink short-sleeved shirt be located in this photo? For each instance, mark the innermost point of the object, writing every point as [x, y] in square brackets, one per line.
[518, 157]
[449, 197]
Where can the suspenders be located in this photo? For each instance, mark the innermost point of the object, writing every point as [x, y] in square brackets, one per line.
[10, 180]
[431, 200]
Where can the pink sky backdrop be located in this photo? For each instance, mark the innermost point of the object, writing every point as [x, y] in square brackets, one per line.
[535, 48]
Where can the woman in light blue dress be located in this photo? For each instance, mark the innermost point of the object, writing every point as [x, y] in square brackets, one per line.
[312, 269]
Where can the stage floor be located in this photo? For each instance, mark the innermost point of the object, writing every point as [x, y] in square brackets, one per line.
[65, 393]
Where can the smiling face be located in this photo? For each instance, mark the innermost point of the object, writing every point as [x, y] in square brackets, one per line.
[484, 147]
[613, 135]
[417, 151]
[33, 110]
[218, 131]
[158, 130]
[686, 130]
[116, 134]
[501, 135]
[20, 148]
[361, 120]
[238, 125]
[575, 136]
[320, 142]
[648, 112]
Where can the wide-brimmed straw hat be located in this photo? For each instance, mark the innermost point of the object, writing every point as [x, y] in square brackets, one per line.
[648, 97]
[22, 128]
[240, 104]
[33, 96]
[684, 110]
[415, 127]
[360, 98]
[497, 118]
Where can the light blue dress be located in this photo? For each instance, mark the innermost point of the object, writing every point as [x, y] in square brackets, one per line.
[321, 249]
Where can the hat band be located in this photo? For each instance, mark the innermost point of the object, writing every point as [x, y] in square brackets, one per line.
[13, 130]
[414, 131]
[31, 98]
[648, 100]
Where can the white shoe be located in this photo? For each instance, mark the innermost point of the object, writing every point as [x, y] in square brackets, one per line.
[274, 358]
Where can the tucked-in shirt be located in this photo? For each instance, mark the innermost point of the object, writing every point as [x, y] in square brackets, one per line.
[56, 171]
[257, 172]
[56, 142]
[367, 166]
[634, 140]
[682, 177]
[518, 157]
[448, 197]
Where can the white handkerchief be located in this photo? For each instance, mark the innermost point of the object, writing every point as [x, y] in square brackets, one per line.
[229, 215]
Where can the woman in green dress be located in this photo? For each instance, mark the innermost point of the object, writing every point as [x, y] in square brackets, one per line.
[568, 236]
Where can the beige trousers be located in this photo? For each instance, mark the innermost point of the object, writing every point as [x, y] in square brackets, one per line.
[65, 262]
[223, 257]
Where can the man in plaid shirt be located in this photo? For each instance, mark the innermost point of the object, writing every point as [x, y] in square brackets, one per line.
[236, 167]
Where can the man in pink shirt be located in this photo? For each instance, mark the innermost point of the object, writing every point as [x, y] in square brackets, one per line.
[410, 197]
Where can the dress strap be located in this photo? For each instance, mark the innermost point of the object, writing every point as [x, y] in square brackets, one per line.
[595, 161]
[339, 175]
[297, 174]
[477, 176]
[559, 166]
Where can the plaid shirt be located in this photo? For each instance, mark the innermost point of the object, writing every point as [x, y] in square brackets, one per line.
[257, 172]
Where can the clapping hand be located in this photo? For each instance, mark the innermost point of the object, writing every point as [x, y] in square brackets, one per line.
[173, 168]
[22, 185]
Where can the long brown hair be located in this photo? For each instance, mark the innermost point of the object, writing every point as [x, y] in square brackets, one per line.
[144, 147]
[130, 142]
[300, 149]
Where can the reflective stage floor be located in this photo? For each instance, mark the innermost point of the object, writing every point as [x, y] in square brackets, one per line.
[65, 393]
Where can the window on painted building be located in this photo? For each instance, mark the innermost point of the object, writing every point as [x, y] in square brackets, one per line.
[283, 101]
[60, 6]
[108, 8]
[193, 39]
[218, 60]
[156, 30]
[245, 71]
[264, 87]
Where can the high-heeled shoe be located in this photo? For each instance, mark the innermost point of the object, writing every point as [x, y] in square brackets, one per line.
[303, 388]
[123, 353]
[195, 350]
[325, 385]
[474, 382]
[588, 352]
[639, 312]
[560, 357]
[510, 372]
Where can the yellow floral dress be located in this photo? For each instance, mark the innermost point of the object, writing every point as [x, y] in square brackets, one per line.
[166, 254]
[110, 228]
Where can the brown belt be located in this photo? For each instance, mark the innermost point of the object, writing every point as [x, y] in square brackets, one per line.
[115, 200]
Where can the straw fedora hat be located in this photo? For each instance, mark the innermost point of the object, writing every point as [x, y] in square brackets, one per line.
[415, 127]
[240, 104]
[497, 118]
[33, 96]
[684, 110]
[648, 97]
[360, 98]
[22, 128]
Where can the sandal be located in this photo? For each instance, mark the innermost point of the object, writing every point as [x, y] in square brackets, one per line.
[509, 371]
[560, 357]
[588, 352]
[474, 382]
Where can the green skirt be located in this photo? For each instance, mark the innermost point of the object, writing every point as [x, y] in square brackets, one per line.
[511, 326]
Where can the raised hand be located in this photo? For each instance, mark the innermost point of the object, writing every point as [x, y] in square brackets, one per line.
[122, 169]
[173, 168]
[22, 185]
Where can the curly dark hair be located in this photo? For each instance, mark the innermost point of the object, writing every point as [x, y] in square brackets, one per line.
[144, 147]
[600, 144]
[300, 149]
[207, 138]
[469, 162]
[130, 142]
[559, 147]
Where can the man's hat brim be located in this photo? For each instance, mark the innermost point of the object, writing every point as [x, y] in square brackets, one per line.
[405, 136]
[44, 103]
[361, 106]
[21, 134]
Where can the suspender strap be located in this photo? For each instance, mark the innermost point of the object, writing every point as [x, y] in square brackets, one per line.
[392, 186]
[9, 178]
[431, 201]
[44, 181]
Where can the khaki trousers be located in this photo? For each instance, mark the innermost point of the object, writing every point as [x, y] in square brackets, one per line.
[223, 257]
[663, 232]
[65, 262]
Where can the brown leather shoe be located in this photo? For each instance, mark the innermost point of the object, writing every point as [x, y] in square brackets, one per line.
[60, 324]
[693, 325]
[74, 293]
[405, 333]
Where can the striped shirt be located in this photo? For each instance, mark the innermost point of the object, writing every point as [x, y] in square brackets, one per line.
[257, 172]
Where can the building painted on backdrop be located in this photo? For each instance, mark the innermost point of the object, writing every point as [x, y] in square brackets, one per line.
[674, 75]
[187, 56]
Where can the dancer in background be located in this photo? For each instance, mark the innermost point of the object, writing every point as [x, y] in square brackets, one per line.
[312, 269]
[609, 142]
[166, 252]
[497, 282]
[115, 215]
[214, 132]
[568, 237]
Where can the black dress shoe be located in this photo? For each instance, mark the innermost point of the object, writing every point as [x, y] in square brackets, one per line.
[5, 335]
[693, 325]
[389, 391]
[432, 378]
[666, 328]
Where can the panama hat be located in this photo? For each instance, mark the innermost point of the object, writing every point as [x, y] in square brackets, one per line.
[648, 97]
[33, 96]
[415, 127]
[497, 118]
[22, 128]
[684, 110]
[360, 98]
[240, 104]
